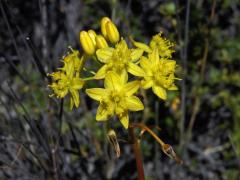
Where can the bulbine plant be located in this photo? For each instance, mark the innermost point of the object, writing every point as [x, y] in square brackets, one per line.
[123, 71]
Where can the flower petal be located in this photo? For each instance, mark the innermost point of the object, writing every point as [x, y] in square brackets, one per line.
[133, 103]
[77, 83]
[173, 88]
[146, 65]
[69, 68]
[112, 81]
[135, 70]
[124, 119]
[140, 45]
[131, 87]
[147, 83]
[75, 96]
[102, 113]
[71, 103]
[101, 72]
[160, 92]
[124, 76]
[136, 54]
[104, 54]
[154, 56]
[96, 93]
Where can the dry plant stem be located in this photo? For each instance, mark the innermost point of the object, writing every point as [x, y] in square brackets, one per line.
[137, 153]
[166, 148]
[197, 101]
[184, 65]
[144, 127]
[44, 19]
[203, 67]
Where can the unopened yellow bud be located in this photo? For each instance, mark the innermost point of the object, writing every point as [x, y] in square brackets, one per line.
[101, 42]
[112, 32]
[87, 43]
[103, 26]
[92, 35]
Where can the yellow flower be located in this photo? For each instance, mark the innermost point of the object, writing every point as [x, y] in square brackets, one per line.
[67, 79]
[159, 74]
[119, 59]
[163, 45]
[73, 59]
[116, 99]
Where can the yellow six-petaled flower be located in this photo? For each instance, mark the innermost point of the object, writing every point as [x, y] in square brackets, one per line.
[119, 59]
[159, 74]
[163, 45]
[117, 98]
[67, 79]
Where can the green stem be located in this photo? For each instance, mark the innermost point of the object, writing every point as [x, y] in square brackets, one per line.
[137, 153]
[88, 78]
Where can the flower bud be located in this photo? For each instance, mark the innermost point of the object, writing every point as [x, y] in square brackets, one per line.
[112, 32]
[92, 35]
[87, 43]
[103, 26]
[101, 42]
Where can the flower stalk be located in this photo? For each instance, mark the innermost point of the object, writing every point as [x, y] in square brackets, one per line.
[166, 148]
[137, 152]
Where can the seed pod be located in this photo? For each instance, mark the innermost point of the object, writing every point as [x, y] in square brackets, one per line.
[112, 138]
[168, 150]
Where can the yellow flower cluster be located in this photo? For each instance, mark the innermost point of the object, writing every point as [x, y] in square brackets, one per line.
[158, 67]
[150, 65]
[67, 79]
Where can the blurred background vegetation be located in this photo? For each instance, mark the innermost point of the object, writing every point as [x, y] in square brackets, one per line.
[41, 139]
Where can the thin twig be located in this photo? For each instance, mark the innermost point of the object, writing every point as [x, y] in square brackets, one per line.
[197, 101]
[43, 9]
[156, 145]
[183, 84]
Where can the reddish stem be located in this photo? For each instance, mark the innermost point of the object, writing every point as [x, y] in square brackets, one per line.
[137, 153]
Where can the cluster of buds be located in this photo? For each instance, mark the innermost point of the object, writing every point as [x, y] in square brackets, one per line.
[91, 41]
